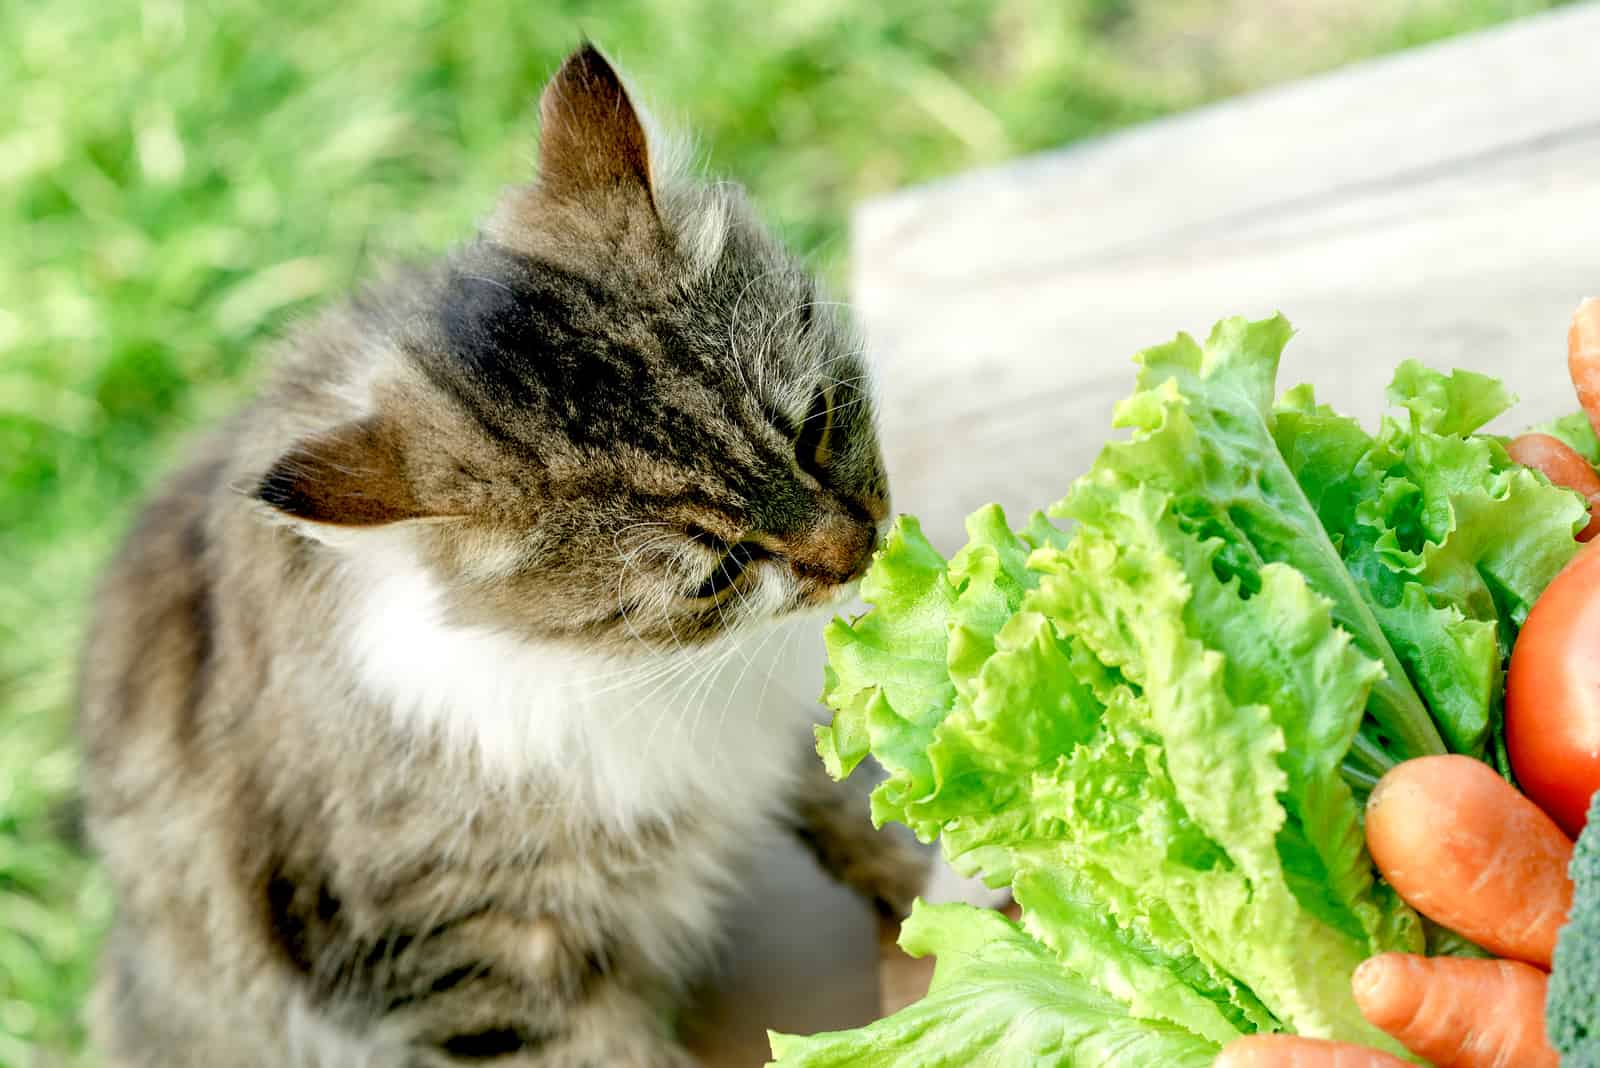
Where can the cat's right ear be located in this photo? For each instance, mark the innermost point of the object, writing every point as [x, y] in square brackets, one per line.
[351, 477]
[591, 141]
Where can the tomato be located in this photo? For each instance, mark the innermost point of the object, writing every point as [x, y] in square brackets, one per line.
[1553, 695]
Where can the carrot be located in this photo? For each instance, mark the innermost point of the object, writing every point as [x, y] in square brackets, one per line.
[1583, 358]
[1558, 462]
[1465, 849]
[1458, 1012]
[1292, 1051]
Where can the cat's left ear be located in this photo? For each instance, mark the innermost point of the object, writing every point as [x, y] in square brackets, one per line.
[591, 141]
[352, 476]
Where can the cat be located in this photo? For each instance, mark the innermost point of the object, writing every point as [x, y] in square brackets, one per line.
[426, 713]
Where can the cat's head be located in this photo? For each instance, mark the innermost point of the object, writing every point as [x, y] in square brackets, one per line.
[625, 414]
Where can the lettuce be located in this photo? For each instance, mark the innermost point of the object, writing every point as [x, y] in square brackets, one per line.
[1577, 432]
[1154, 722]
[998, 998]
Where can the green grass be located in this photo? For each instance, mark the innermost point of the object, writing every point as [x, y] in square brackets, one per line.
[178, 180]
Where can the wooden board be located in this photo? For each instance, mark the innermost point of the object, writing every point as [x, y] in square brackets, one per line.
[1442, 204]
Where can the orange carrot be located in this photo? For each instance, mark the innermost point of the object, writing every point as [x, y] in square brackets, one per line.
[1558, 462]
[1465, 849]
[1292, 1051]
[1458, 1012]
[1583, 358]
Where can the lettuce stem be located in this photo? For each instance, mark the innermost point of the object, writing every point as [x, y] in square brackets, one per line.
[1362, 782]
[1369, 756]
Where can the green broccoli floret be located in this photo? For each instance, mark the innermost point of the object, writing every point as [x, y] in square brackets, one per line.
[1572, 1008]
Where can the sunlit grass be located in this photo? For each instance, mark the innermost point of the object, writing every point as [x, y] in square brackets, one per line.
[178, 180]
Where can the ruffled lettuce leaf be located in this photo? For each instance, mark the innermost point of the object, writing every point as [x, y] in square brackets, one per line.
[1449, 540]
[1203, 423]
[1284, 897]
[998, 998]
[1156, 980]
[886, 679]
[1452, 405]
[1577, 432]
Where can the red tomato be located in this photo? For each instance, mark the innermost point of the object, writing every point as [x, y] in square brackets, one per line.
[1553, 695]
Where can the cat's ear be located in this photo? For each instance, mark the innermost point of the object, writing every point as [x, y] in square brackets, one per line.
[590, 138]
[352, 476]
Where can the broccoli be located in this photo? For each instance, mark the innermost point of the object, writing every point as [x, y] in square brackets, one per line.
[1572, 1010]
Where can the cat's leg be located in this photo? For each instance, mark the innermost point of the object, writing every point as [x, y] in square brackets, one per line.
[143, 1013]
[134, 1016]
[886, 866]
[115, 1013]
[483, 986]
[612, 1027]
[609, 1026]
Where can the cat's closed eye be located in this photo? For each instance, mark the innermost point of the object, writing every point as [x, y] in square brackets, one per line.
[731, 564]
[811, 447]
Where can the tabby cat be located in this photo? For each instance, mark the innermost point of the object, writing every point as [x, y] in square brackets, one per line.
[427, 712]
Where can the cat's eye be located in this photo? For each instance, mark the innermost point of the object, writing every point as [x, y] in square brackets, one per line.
[730, 567]
[811, 449]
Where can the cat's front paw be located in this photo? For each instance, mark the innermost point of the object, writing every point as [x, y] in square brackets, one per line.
[895, 876]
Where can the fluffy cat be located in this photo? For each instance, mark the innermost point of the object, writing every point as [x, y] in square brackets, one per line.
[427, 712]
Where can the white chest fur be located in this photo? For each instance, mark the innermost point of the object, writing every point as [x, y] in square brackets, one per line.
[628, 738]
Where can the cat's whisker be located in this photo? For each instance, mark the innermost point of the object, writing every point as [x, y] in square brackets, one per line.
[488, 282]
[622, 606]
[631, 556]
[699, 694]
[703, 700]
[643, 675]
[663, 596]
[769, 334]
[660, 716]
[749, 659]
[685, 666]
[772, 669]
[684, 661]
[733, 326]
[851, 404]
[722, 617]
[616, 535]
[850, 356]
[754, 657]
[853, 380]
[798, 385]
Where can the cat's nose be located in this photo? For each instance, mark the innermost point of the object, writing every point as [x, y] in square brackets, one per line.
[835, 551]
[876, 505]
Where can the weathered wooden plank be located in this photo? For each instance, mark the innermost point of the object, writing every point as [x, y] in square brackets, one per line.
[1443, 204]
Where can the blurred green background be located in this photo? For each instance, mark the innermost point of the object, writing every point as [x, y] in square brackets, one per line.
[180, 179]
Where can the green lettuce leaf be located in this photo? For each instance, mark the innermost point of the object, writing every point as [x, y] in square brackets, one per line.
[1203, 422]
[887, 681]
[1448, 539]
[999, 999]
[1065, 909]
[1452, 405]
[1227, 683]
[1454, 661]
[1576, 431]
